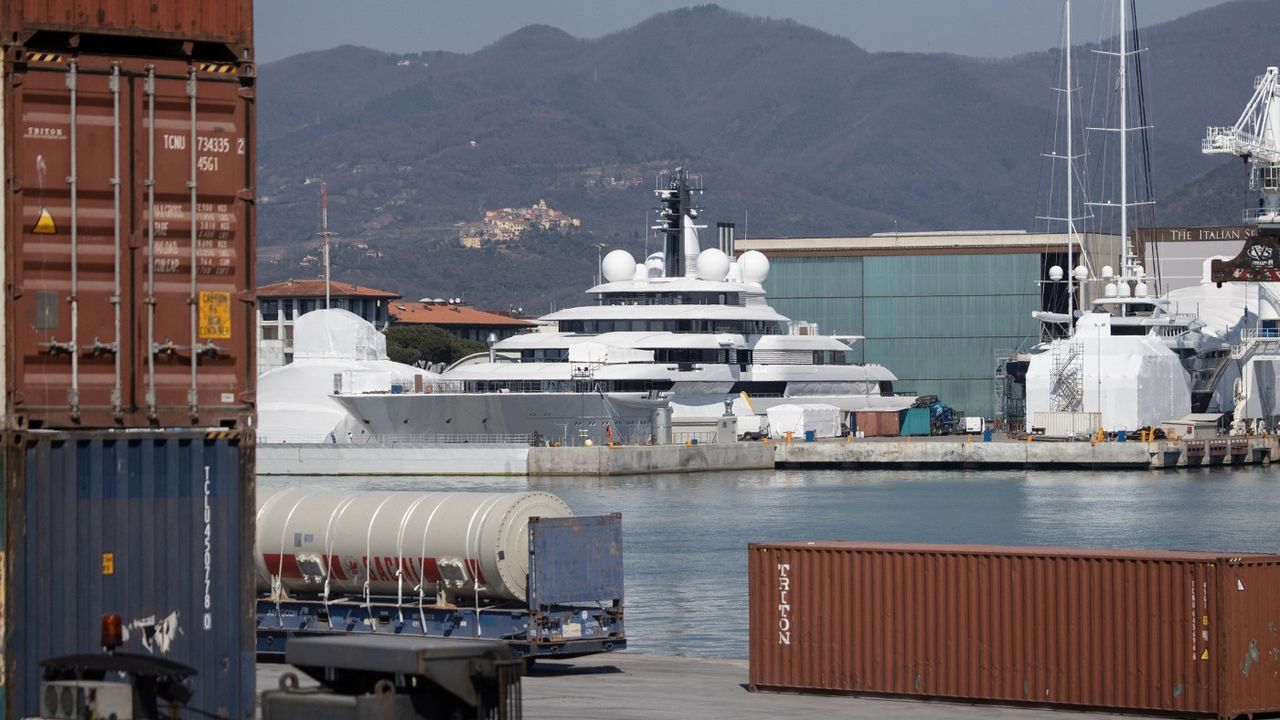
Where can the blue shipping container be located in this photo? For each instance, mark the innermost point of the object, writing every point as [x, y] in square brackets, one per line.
[156, 527]
[915, 421]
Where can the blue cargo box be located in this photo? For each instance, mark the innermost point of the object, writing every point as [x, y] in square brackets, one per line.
[915, 422]
[574, 607]
[154, 526]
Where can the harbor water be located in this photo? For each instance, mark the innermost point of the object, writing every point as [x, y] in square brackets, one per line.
[685, 536]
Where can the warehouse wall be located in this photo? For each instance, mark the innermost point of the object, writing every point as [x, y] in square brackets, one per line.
[936, 321]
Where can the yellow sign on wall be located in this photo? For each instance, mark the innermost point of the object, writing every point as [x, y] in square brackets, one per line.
[215, 315]
[108, 563]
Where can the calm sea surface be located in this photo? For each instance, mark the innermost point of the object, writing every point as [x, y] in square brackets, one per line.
[685, 536]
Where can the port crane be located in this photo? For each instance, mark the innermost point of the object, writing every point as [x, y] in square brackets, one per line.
[1255, 138]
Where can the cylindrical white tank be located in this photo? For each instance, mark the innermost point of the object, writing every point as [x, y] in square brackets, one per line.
[395, 541]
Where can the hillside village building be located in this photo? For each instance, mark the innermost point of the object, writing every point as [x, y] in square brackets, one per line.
[507, 224]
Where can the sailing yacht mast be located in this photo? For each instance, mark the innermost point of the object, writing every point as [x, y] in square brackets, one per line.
[1071, 169]
[1130, 282]
[1126, 260]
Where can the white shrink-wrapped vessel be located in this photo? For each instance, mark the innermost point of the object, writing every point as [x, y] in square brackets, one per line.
[402, 544]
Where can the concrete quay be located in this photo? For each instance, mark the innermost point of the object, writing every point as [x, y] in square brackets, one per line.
[631, 686]
[506, 459]
[955, 452]
[401, 459]
[644, 459]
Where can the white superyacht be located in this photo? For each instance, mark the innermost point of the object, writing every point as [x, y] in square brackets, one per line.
[688, 326]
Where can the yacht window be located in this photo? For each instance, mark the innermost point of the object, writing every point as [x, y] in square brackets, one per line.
[886, 387]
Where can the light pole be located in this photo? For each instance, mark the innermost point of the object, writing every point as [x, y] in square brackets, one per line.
[599, 261]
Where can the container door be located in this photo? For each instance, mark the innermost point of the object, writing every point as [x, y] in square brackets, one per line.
[193, 323]
[65, 230]
[115, 320]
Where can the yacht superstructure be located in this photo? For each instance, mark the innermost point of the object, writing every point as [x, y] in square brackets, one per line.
[692, 324]
[687, 326]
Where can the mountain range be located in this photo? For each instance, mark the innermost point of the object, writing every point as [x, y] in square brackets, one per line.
[794, 131]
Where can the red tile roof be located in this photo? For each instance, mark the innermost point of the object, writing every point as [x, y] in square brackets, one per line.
[315, 288]
[417, 313]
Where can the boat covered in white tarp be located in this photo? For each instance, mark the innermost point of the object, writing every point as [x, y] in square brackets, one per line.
[1133, 381]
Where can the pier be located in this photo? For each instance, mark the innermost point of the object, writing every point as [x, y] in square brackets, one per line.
[863, 453]
[1037, 454]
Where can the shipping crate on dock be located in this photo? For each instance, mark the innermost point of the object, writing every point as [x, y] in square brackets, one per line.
[1170, 632]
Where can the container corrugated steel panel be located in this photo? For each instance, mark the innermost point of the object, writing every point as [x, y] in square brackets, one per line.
[156, 527]
[1187, 633]
[106, 311]
[224, 22]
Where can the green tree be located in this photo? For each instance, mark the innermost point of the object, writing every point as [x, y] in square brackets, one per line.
[410, 344]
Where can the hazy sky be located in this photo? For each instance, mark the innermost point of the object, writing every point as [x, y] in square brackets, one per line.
[969, 27]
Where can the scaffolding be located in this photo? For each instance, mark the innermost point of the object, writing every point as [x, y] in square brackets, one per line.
[1066, 390]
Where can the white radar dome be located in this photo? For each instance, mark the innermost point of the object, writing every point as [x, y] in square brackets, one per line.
[1111, 290]
[1107, 272]
[755, 266]
[713, 264]
[1140, 290]
[1055, 273]
[1081, 272]
[618, 265]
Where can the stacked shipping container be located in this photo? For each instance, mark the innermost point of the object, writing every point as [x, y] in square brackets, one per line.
[1184, 633]
[127, 217]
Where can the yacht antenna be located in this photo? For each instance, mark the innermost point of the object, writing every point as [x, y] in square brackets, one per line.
[324, 235]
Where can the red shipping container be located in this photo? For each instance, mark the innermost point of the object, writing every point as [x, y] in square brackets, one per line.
[47, 23]
[1169, 632]
[128, 242]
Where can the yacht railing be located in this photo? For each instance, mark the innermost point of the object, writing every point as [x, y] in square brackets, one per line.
[394, 440]
[1253, 215]
[1256, 342]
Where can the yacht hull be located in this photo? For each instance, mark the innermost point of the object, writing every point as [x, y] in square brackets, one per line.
[566, 417]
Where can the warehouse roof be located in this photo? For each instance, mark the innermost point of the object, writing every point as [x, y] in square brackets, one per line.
[315, 288]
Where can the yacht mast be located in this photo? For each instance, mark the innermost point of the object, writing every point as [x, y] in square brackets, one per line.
[1071, 169]
[1131, 280]
[1126, 259]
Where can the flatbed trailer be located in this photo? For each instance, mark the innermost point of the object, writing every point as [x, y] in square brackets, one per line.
[574, 607]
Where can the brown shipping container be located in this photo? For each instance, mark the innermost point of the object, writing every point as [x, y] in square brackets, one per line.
[1185, 633]
[46, 23]
[878, 423]
[112, 320]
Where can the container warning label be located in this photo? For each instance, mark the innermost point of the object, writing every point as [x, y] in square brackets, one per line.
[108, 563]
[215, 315]
[45, 224]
